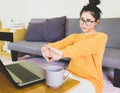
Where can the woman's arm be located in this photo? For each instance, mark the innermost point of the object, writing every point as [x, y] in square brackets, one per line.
[86, 47]
[63, 43]
[51, 51]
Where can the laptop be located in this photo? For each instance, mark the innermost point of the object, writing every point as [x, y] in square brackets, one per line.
[22, 74]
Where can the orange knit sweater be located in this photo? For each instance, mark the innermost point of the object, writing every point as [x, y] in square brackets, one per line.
[86, 53]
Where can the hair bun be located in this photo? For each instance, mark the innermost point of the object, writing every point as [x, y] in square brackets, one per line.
[94, 2]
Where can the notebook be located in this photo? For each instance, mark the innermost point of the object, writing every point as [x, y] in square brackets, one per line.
[23, 73]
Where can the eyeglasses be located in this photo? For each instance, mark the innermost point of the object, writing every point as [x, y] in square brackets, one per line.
[87, 22]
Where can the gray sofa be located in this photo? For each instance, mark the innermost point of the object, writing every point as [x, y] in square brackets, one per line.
[111, 58]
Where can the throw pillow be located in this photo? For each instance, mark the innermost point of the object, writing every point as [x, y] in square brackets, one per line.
[49, 31]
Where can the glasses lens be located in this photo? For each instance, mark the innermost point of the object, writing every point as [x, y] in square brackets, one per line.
[81, 21]
[86, 22]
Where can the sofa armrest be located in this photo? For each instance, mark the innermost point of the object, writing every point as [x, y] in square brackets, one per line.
[19, 34]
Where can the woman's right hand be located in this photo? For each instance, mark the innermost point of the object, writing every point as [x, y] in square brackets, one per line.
[46, 53]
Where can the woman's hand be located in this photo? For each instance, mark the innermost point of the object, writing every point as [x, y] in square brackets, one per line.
[50, 53]
[55, 54]
[46, 53]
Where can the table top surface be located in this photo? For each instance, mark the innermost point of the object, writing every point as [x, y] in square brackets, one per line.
[7, 87]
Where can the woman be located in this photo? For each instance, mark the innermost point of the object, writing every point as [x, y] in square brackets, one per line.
[85, 50]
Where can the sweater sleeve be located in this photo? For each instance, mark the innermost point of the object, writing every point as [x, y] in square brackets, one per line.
[86, 47]
[63, 43]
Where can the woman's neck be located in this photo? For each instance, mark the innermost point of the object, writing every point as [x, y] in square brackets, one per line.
[90, 32]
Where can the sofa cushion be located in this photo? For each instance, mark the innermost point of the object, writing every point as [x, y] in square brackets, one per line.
[48, 31]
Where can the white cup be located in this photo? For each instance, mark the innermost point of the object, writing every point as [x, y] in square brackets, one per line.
[55, 76]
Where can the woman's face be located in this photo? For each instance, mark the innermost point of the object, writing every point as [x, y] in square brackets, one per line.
[87, 22]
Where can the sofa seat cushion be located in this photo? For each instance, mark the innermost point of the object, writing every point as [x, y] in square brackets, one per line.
[27, 47]
[50, 30]
[111, 58]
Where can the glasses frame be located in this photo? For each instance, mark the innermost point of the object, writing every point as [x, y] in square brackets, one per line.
[85, 22]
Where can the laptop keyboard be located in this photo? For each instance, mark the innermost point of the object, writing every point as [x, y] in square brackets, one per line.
[22, 73]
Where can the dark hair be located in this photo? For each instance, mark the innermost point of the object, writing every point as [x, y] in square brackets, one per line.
[92, 7]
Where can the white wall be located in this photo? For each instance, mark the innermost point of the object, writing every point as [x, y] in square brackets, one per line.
[24, 10]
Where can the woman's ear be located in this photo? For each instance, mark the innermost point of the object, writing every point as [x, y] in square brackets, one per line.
[98, 21]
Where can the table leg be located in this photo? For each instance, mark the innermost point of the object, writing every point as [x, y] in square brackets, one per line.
[116, 78]
[14, 55]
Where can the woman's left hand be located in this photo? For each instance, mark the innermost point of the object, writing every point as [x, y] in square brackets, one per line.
[46, 52]
[55, 53]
